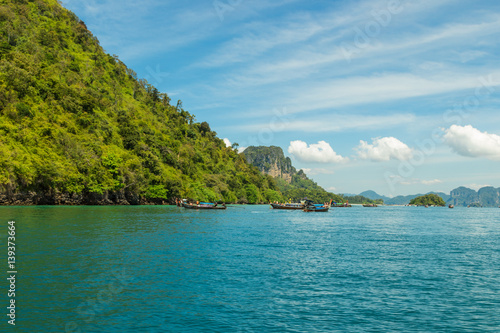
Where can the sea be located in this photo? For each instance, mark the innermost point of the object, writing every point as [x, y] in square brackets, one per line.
[250, 269]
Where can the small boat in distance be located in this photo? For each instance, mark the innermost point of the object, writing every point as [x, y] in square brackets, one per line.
[451, 206]
[370, 205]
[202, 205]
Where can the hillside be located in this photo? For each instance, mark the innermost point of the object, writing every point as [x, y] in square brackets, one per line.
[295, 185]
[462, 196]
[360, 199]
[428, 200]
[400, 199]
[373, 195]
[486, 197]
[78, 127]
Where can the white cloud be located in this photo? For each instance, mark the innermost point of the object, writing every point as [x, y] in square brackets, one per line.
[320, 152]
[342, 123]
[384, 149]
[469, 141]
[379, 88]
[318, 171]
[471, 55]
[431, 182]
[414, 181]
[229, 144]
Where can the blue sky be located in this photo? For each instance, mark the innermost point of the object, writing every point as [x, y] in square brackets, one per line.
[396, 96]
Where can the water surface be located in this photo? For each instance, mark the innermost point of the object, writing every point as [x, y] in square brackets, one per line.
[253, 269]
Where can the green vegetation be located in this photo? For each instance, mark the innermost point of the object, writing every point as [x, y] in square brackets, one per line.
[302, 187]
[76, 121]
[428, 200]
[294, 184]
[359, 199]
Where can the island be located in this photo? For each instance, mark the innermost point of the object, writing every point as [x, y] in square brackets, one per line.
[428, 200]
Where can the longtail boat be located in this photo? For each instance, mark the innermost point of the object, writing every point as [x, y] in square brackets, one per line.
[289, 206]
[316, 208]
[340, 205]
[203, 205]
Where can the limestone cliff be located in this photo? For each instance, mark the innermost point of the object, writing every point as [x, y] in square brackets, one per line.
[292, 183]
[271, 161]
[486, 197]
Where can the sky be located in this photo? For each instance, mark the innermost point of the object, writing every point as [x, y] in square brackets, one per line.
[396, 96]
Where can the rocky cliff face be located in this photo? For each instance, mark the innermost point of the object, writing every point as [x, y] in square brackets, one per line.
[489, 196]
[271, 161]
[293, 184]
[463, 196]
[485, 197]
[54, 198]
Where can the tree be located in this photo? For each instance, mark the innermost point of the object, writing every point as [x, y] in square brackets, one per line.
[428, 200]
[75, 120]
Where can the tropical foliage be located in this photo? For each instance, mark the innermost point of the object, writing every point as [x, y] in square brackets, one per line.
[302, 187]
[428, 200]
[74, 119]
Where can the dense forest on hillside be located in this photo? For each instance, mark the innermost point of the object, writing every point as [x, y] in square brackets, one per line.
[78, 126]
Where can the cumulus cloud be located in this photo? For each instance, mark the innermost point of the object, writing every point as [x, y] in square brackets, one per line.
[384, 149]
[227, 142]
[469, 141]
[320, 152]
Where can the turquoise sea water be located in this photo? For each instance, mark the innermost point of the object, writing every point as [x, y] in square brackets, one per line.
[253, 269]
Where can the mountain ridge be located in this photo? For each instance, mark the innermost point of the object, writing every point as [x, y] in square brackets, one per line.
[487, 196]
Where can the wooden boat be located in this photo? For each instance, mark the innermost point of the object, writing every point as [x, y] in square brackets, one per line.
[316, 208]
[370, 205]
[451, 206]
[289, 206]
[203, 205]
[339, 205]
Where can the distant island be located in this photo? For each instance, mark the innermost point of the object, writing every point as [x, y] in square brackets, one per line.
[487, 196]
[428, 200]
